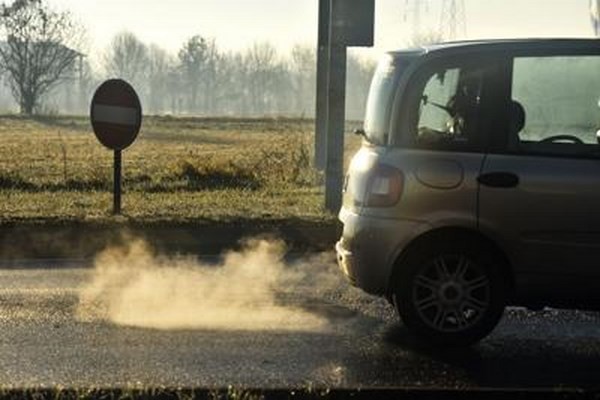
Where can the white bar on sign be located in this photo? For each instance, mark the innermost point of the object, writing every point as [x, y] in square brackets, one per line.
[115, 115]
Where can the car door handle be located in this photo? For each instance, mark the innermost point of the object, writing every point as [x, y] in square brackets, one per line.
[499, 179]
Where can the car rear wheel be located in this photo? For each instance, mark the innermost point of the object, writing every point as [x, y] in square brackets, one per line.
[450, 294]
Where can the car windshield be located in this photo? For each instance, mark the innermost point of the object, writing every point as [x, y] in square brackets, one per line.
[381, 95]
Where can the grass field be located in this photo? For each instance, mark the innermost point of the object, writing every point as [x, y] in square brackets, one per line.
[179, 169]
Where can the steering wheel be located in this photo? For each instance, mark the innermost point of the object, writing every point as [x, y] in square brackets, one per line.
[562, 138]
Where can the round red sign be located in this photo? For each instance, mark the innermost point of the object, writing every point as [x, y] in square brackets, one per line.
[116, 114]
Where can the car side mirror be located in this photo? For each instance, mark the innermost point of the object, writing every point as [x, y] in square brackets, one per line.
[598, 136]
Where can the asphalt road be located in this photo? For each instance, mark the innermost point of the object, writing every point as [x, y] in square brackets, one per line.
[310, 329]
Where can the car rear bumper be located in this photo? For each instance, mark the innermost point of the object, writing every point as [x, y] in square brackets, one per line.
[369, 247]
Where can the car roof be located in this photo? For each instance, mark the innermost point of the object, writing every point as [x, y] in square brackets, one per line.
[500, 45]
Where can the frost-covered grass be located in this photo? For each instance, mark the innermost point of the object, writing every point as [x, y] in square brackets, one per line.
[179, 169]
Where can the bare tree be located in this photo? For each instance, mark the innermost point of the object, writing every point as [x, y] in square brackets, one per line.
[303, 69]
[127, 58]
[232, 84]
[359, 74]
[160, 64]
[192, 60]
[425, 38]
[38, 50]
[209, 76]
[261, 61]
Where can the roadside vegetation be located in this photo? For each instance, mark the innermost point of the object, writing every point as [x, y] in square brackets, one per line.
[179, 169]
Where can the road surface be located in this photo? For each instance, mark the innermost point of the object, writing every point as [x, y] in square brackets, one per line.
[304, 329]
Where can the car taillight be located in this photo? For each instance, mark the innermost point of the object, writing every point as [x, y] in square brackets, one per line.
[385, 186]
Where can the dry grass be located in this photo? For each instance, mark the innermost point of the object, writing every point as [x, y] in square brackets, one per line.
[178, 169]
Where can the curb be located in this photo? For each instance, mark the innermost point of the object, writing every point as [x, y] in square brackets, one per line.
[296, 394]
[84, 240]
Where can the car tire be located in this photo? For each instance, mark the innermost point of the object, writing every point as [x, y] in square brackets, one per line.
[450, 292]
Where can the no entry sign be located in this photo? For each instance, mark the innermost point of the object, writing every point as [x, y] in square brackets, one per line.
[116, 114]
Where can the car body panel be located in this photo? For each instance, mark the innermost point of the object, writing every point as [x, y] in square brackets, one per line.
[550, 223]
[390, 229]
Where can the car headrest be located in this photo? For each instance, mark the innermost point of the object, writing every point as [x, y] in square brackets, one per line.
[517, 117]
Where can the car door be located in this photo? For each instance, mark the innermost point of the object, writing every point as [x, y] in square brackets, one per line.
[444, 125]
[539, 193]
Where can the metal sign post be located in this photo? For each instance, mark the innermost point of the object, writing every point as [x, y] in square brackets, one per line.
[322, 74]
[351, 23]
[116, 115]
[117, 183]
[336, 118]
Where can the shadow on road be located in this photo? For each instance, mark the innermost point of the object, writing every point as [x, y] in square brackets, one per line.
[510, 360]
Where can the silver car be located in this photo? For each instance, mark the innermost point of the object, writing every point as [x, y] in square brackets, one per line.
[477, 184]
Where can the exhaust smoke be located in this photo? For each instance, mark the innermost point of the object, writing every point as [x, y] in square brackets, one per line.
[133, 287]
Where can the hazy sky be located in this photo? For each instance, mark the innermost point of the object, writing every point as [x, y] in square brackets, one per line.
[235, 24]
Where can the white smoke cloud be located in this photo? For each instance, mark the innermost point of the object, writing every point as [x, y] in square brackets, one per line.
[133, 287]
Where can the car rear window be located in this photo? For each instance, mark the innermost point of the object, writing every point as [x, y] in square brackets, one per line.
[450, 105]
[381, 97]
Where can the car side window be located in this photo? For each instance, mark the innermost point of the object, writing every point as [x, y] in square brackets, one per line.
[450, 108]
[555, 107]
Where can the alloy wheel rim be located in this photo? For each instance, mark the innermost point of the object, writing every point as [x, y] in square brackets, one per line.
[451, 293]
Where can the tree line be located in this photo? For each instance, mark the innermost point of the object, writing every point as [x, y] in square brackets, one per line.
[198, 79]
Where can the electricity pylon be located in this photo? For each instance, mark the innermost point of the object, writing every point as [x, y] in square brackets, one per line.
[453, 24]
[413, 11]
